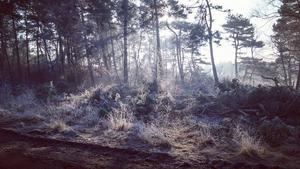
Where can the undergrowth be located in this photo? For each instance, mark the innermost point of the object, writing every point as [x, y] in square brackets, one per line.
[180, 133]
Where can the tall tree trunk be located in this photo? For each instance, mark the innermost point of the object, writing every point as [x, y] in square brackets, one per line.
[236, 60]
[38, 53]
[193, 60]
[210, 40]
[283, 67]
[47, 54]
[158, 47]
[105, 58]
[178, 54]
[88, 53]
[27, 45]
[61, 54]
[2, 49]
[109, 57]
[56, 50]
[68, 52]
[289, 71]
[138, 55]
[125, 34]
[236, 52]
[114, 56]
[4, 56]
[298, 78]
[17, 48]
[253, 65]
[181, 60]
[75, 65]
[38, 46]
[136, 61]
[90, 66]
[1, 62]
[246, 73]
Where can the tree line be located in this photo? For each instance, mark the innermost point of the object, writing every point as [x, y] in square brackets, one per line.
[120, 40]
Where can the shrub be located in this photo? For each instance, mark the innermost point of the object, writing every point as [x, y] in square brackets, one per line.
[62, 87]
[45, 92]
[25, 101]
[274, 131]
[5, 92]
[26, 98]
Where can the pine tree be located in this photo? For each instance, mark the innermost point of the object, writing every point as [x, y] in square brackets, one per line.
[241, 33]
[287, 39]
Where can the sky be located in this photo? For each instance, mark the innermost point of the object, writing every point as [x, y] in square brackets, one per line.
[247, 8]
[225, 52]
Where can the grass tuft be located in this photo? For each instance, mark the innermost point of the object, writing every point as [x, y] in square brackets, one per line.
[248, 144]
[121, 119]
[59, 126]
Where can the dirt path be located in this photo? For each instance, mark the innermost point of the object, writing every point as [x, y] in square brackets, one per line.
[25, 152]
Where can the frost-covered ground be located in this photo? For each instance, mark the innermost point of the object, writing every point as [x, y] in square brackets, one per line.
[191, 126]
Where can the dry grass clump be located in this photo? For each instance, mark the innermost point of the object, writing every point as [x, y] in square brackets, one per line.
[153, 134]
[248, 144]
[120, 119]
[184, 135]
[59, 125]
[203, 134]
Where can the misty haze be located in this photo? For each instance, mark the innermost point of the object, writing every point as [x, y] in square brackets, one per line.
[149, 84]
